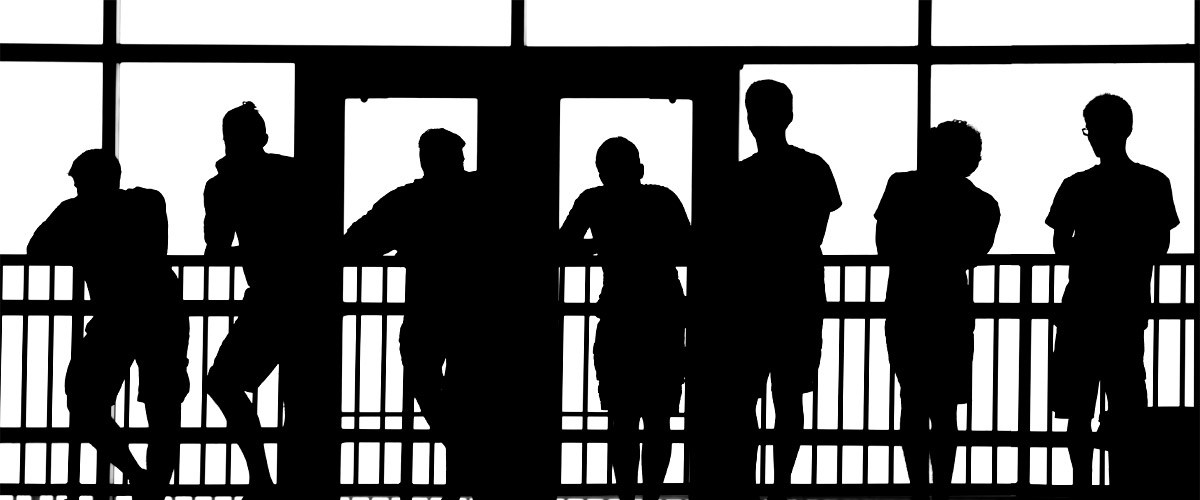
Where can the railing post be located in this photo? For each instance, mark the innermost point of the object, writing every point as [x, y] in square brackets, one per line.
[1024, 382]
[73, 446]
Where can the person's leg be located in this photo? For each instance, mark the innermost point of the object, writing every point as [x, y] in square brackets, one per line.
[656, 454]
[162, 453]
[914, 427]
[94, 378]
[623, 446]
[944, 421]
[789, 423]
[242, 363]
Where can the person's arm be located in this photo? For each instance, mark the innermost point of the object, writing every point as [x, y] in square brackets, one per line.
[372, 234]
[1061, 219]
[218, 224]
[832, 201]
[579, 220]
[53, 236]
[885, 230]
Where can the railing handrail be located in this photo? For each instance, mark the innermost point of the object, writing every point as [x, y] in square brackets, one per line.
[388, 261]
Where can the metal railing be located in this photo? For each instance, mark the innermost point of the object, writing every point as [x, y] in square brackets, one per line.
[388, 451]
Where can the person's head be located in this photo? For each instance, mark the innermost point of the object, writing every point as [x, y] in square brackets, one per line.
[768, 108]
[244, 130]
[956, 148]
[619, 163]
[1109, 121]
[95, 172]
[441, 152]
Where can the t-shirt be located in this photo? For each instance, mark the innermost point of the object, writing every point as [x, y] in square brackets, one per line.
[937, 225]
[441, 231]
[1117, 213]
[770, 230]
[641, 234]
[119, 243]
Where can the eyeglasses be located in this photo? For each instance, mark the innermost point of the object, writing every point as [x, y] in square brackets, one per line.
[1085, 131]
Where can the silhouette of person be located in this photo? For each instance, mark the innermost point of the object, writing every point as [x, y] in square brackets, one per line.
[932, 225]
[640, 231]
[1110, 223]
[117, 240]
[435, 225]
[775, 210]
[260, 199]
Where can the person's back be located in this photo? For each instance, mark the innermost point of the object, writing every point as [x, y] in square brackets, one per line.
[779, 201]
[638, 239]
[943, 219]
[1116, 211]
[119, 242]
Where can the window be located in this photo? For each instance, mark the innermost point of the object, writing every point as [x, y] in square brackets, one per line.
[718, 22]
[1063, 22]
[316, 22]
[169, 137]
[49, 114]
[50, 21]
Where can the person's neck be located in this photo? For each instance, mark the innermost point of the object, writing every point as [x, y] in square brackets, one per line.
[1116, 159]
[772, 143]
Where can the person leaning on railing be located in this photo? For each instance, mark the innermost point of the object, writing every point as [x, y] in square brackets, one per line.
[117, 240]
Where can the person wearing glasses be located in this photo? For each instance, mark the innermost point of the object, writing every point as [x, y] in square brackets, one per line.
[932, 226]
[1110, 223]
[117, 240]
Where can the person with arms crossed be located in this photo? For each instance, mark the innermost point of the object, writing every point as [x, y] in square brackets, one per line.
[932, 225]
[1110, 223]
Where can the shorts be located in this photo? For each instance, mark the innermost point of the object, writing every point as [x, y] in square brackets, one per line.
[100, 363]
[932, 359]
[1085, 357]
[256, 342]
[789, 356]
[639, 364]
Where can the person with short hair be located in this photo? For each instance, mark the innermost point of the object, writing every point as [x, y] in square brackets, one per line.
[1110, 223]
[116, 239]
[768, 231]
[438, 225]
[932, 226]
[640, 233]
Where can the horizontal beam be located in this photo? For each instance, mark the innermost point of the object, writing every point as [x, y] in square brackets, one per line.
[1173, 259]
[1030, 492]
[833, 310]
[830, 437]
[498, 57]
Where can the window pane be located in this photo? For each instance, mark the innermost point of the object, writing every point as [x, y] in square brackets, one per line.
[317, 22]
[1030, 118]
[170, 130]
[861, 121]
[51, 21]
[49, 113]
[1063, 22]
[720, 22]
[661, 130]
[381, 144]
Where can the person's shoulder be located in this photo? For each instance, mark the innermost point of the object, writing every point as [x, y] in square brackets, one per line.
[902, 180]
[1151, 173]
[806, 156]
[144, 195]
[984, 197]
